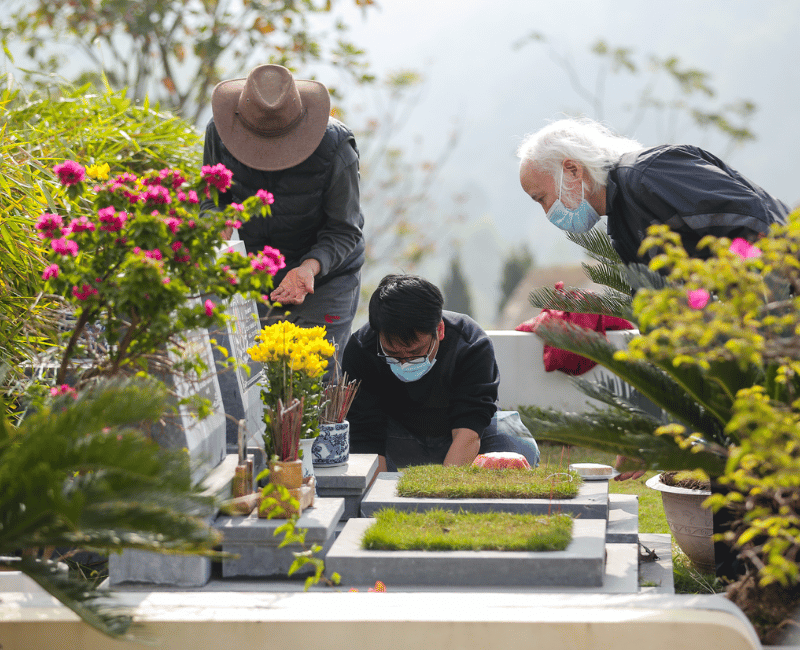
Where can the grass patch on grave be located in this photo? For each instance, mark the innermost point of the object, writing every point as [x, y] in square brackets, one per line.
[436, 481]
[444, 530]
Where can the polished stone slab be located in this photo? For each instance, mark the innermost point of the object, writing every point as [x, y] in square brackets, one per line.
[581, 564]
[241, 386]
[253, 540]
[623, 519]
[591, 502]
[349, 481]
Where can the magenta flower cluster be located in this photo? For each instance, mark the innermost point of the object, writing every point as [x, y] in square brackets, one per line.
[111, 220]
[265, 197]
[217, 175]
[70, 173]
[268, 260]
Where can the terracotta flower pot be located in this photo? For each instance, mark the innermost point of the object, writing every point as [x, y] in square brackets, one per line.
[289, 474]
[689, 522]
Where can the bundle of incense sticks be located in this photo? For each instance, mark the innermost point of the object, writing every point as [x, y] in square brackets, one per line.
[285, 425]
[338, 396]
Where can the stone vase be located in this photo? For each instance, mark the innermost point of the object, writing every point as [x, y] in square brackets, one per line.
[332, 445]
[689, 522]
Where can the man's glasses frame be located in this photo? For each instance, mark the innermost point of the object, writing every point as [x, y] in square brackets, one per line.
[398, 360]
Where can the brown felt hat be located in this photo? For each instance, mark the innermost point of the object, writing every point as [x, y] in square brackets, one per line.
[271, 120]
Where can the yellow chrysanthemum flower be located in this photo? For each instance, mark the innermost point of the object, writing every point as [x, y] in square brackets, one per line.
[98, 172]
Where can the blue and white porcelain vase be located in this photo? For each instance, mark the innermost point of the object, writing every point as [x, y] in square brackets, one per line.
[332, 446]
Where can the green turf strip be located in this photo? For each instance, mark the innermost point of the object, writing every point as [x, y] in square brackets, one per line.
[436, 481]
[443, 530]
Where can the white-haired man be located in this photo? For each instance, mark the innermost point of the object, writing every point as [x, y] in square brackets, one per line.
[578, 171]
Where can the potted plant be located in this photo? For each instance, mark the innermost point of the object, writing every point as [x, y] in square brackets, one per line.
[332, 446]
[295, 359]
[690, 521]
[719, 352]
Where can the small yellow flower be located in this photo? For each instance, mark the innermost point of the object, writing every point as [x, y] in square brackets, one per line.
[98, 172]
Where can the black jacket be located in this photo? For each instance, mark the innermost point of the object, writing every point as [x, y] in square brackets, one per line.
[691, 191]
[317, 211]
[459, 391]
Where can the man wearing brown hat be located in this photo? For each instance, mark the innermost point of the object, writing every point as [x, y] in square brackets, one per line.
[275, 133]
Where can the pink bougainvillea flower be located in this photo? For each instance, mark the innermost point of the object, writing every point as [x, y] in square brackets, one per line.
[81, 224]
[269, 260]
[744, 249]
[157, 194]
[233, 224]
[238, 207]
[209, 305]
[111, 220]
[173, 223]
[49, 224]
[217, 175]
[50, 272]
[176, 246]
[166, 177]
[154, 254]
[69, 172]
[64, 246]
[55, 391]
[84, 293]
[189, 197]
[698, 298]
[266, 197]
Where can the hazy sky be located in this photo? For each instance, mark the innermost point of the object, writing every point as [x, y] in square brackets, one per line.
[495, 94]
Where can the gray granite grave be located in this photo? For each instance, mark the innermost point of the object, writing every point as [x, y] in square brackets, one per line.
[203, 439]
[135, 566]
[349, 481]
[590, 503]
[252, 539]
[581, 564]
[240, 386]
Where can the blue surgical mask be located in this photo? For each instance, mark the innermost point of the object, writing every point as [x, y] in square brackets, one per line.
[581, 219]
[411, 371]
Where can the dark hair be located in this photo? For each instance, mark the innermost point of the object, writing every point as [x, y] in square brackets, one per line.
[405, 306]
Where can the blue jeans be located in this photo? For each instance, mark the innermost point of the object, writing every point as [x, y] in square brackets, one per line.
[403, 448]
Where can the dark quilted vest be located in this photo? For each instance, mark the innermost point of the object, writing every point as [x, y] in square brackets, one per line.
[297, 214]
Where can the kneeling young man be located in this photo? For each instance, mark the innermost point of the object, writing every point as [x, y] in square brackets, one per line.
[429, 382]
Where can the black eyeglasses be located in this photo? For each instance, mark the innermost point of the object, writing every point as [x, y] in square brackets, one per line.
[397, 360]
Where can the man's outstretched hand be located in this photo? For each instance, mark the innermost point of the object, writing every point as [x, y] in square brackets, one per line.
[628, 468]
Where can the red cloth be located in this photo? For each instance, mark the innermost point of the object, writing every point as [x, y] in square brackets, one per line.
[569, 362]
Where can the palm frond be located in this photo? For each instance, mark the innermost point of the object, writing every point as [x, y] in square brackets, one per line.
[581, 301]
[612, 276]
[597, 245]
[618, 432]
[77, 474]
[639, 276]
[706, 416]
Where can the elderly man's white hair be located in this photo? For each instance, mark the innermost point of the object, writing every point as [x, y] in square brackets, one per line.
[583, 140]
